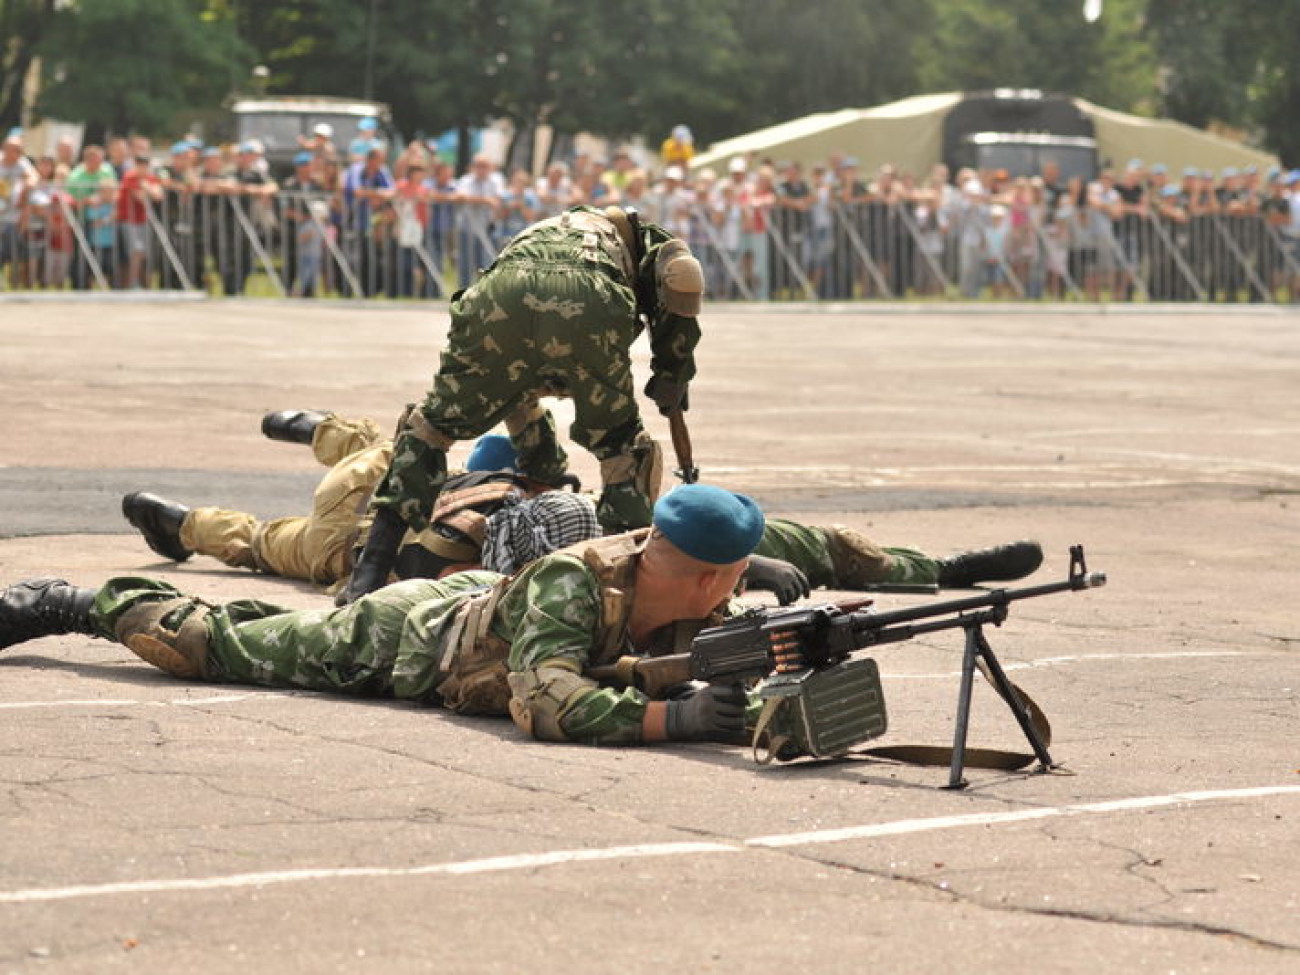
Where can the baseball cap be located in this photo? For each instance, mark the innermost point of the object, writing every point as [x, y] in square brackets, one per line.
[368, 124]
[323, 129]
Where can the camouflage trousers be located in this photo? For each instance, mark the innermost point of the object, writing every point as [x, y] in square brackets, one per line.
[840, 558]
[316, 547]
[527, 329]
[385, 644]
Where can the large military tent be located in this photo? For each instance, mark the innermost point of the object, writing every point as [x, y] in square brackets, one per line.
[909, 134]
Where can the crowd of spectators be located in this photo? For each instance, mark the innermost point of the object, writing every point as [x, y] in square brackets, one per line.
[360, 221]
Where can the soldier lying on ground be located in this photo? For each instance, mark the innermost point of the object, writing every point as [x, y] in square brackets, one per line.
[473, 526]
[476, 642]
[555, 314]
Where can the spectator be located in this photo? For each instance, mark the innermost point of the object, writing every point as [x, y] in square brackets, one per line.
[821, 226]
[366, 139]
[119, 156]
[1102, 209]
[1131, 214]
[1023, 219]
[367, 186]
[295, 198]
[554, 190]
[17, 176]
[790, 216]
[309, 234]
[139, 191]
[849, 270]
[179, 180]
[679, 148]
[411, 213]
[517, 208]
[442, 221]
[34, 223]
[668, 202]
[995, 252]
[931, 218]
[617, 176]
[757, 199]
[321, 141]
[972, 236]
[246, 227]
[477, 195]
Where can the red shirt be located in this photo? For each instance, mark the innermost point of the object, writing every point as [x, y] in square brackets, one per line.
[129, 208]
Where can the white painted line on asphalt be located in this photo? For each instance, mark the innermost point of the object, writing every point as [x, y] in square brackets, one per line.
[531, 861]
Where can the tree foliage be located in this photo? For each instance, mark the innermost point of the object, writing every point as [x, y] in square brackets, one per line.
[622, 68]
[23, 25]
[133, 65]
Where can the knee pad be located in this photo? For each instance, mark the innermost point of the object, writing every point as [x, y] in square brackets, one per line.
[163, 634]
[858, 561]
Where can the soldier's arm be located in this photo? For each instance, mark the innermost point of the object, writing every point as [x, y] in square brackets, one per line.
[674, 329]
[558, 622]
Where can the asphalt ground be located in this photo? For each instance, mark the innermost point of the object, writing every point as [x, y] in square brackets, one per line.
[152, 825]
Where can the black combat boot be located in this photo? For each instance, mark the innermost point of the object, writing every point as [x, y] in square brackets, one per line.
[292, 426]
[43, 607]
[1012, 561]
[159, 521]
[377, 557]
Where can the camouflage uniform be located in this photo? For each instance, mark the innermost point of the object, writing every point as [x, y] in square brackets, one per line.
[843, 558]
[417, 640]
[555, 314]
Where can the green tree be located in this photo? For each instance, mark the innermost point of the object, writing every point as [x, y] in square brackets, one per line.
[980, 44]
[23, 24]
[133, 65]
[1232, 64]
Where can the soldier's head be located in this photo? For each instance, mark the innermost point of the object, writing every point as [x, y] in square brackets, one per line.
[701, 540]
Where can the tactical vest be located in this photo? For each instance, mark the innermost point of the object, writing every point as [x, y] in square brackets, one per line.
[453, 541]
[472, 664]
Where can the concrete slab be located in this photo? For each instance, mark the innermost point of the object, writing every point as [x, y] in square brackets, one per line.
[151, 825]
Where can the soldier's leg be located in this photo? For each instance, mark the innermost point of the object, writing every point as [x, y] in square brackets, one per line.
[337, 437]
[839, 557]
[318, 548]
[221, 534]
[537, 445]
[860, 562]
[349, 650]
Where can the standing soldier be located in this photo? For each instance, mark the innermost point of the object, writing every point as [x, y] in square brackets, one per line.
[555, 314]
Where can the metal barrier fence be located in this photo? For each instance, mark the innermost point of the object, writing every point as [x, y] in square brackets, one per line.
[319, 244]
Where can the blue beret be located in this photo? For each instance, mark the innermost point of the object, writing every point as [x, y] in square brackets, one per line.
[708, 523]
[493, 452]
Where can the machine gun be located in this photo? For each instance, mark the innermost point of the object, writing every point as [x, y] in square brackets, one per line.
[832, 699]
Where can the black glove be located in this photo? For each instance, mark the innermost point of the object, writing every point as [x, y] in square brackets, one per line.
[668, 394]
[775, 575]
[715, 712]
[376, 559]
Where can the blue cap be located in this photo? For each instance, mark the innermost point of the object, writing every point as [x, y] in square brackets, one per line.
[1159, 168]
[1250, 170]
[1230, 171]
[1170, 191]
[1191, 171]
[303, 159]
[1134, 164]
[180, 147]
[248, 145]
[1292, 176]
[708, 523]
[211, 151]
[493, 452]
[368, 124]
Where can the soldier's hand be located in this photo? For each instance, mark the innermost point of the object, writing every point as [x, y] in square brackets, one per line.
[715, 712]
[777, 576]
[668, 394]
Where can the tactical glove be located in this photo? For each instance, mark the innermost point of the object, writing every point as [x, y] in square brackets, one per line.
[668, 394]
[777, 576]
[715, 712]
